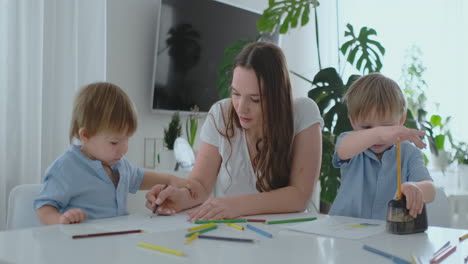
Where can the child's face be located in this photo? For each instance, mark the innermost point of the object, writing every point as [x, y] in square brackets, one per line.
[106, 147]
[372, 121]
[246, 98]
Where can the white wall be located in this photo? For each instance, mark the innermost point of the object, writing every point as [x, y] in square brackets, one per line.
[131, 29]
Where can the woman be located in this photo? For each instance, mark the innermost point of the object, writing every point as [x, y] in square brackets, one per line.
[260, 149]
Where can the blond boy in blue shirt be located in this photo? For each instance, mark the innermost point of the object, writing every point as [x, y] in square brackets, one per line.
[92, 179]
[367, 155]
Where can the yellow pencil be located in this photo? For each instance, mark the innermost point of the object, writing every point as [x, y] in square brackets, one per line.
[191, 238]
[235, 226]
[399, 170]
[463, 237]
[161, 249]
[201, 227]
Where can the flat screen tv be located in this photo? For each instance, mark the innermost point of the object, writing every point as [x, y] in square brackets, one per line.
[190, 43]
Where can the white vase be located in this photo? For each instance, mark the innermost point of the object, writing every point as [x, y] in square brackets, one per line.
[166, 160]
[462, 173]
[441, 161]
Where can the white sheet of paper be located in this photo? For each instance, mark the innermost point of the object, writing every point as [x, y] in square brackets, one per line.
[339, 227]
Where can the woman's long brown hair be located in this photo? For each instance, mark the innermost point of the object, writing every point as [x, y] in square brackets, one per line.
[272, 164]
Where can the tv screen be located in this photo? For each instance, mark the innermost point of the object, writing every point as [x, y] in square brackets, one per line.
[190, 43]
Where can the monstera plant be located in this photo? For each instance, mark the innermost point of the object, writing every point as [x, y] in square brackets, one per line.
[327, 86]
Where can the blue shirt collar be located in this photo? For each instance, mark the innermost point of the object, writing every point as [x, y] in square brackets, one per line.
[96, 164]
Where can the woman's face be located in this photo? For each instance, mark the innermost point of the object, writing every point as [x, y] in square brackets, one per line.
[246, 98]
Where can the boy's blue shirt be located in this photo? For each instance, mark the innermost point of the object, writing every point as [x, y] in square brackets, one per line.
[367, 184]
[76, 181]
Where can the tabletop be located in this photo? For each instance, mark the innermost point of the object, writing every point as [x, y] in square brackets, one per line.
[54, 244]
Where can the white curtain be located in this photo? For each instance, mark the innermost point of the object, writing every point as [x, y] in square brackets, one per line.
[48, 49]
[439, 29]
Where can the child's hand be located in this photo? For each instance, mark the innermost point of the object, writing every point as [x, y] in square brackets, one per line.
[73, 216]
[414, 198]
[185, 183]
[390, 134]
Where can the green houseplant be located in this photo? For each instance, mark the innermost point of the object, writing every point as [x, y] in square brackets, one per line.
[191, 126]
[328, 88]
[173, 131]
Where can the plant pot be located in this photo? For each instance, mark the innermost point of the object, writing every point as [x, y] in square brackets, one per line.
[462, 173]
[167, 160]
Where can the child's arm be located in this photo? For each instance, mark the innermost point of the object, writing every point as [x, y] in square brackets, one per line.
[417, 193]
[358, 141]
[50, 216]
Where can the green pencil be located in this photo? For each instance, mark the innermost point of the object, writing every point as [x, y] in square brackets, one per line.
[221, 221]
[291, 220]
[202, 230]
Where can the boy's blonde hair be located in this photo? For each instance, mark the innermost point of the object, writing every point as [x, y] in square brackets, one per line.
[375, 92]
[102, 107]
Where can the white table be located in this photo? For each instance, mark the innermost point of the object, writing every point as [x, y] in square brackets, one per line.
[53, 244]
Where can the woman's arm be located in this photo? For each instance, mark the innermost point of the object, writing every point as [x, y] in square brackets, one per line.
[307, 154]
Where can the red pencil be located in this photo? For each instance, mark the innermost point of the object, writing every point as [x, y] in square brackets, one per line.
[256, 220]
[108, 234]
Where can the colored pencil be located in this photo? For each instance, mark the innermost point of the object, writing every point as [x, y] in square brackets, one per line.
[191, 238]
[398, 170]
[442, 248]
[161, 249]
[443, 254]
[202, 230]
[385, 255]
[463, 237]
[107, 234]
[291, 220]
[231, 239]
[156, 205]
[256, 220]
[235, 226]
[200, 227]
[220, 221]
[258, 230]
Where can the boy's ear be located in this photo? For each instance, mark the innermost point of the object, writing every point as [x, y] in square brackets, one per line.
[83, 134]
[403, 119]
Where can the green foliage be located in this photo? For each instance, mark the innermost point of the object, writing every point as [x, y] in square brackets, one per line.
[329, 176]
[173, 132]
[285, 14]
[461, 152]
[414, 84]
[369, 50]
[223, 82]
[191, 126]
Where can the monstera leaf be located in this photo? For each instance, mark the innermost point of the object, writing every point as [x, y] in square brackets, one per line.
[327, 91]
[292, 11]
[223, 82]
[361, 51]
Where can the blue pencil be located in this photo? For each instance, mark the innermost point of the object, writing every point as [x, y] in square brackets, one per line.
[258, 230]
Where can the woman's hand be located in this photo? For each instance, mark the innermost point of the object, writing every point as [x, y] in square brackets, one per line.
[414, 198]
[170, 200]
[73, 216]
[215, 209]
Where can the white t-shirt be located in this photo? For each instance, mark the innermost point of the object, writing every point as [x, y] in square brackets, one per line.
[241, 178]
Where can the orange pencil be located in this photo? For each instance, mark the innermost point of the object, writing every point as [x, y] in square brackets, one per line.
[399, 170]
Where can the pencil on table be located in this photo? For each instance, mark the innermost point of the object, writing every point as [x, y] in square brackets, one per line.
[107, 234]
[161, 249]
[239, 227]
[191, 238]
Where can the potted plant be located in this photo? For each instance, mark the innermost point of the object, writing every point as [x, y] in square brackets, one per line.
[461, 156]
[167, 158]
[191, 126]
